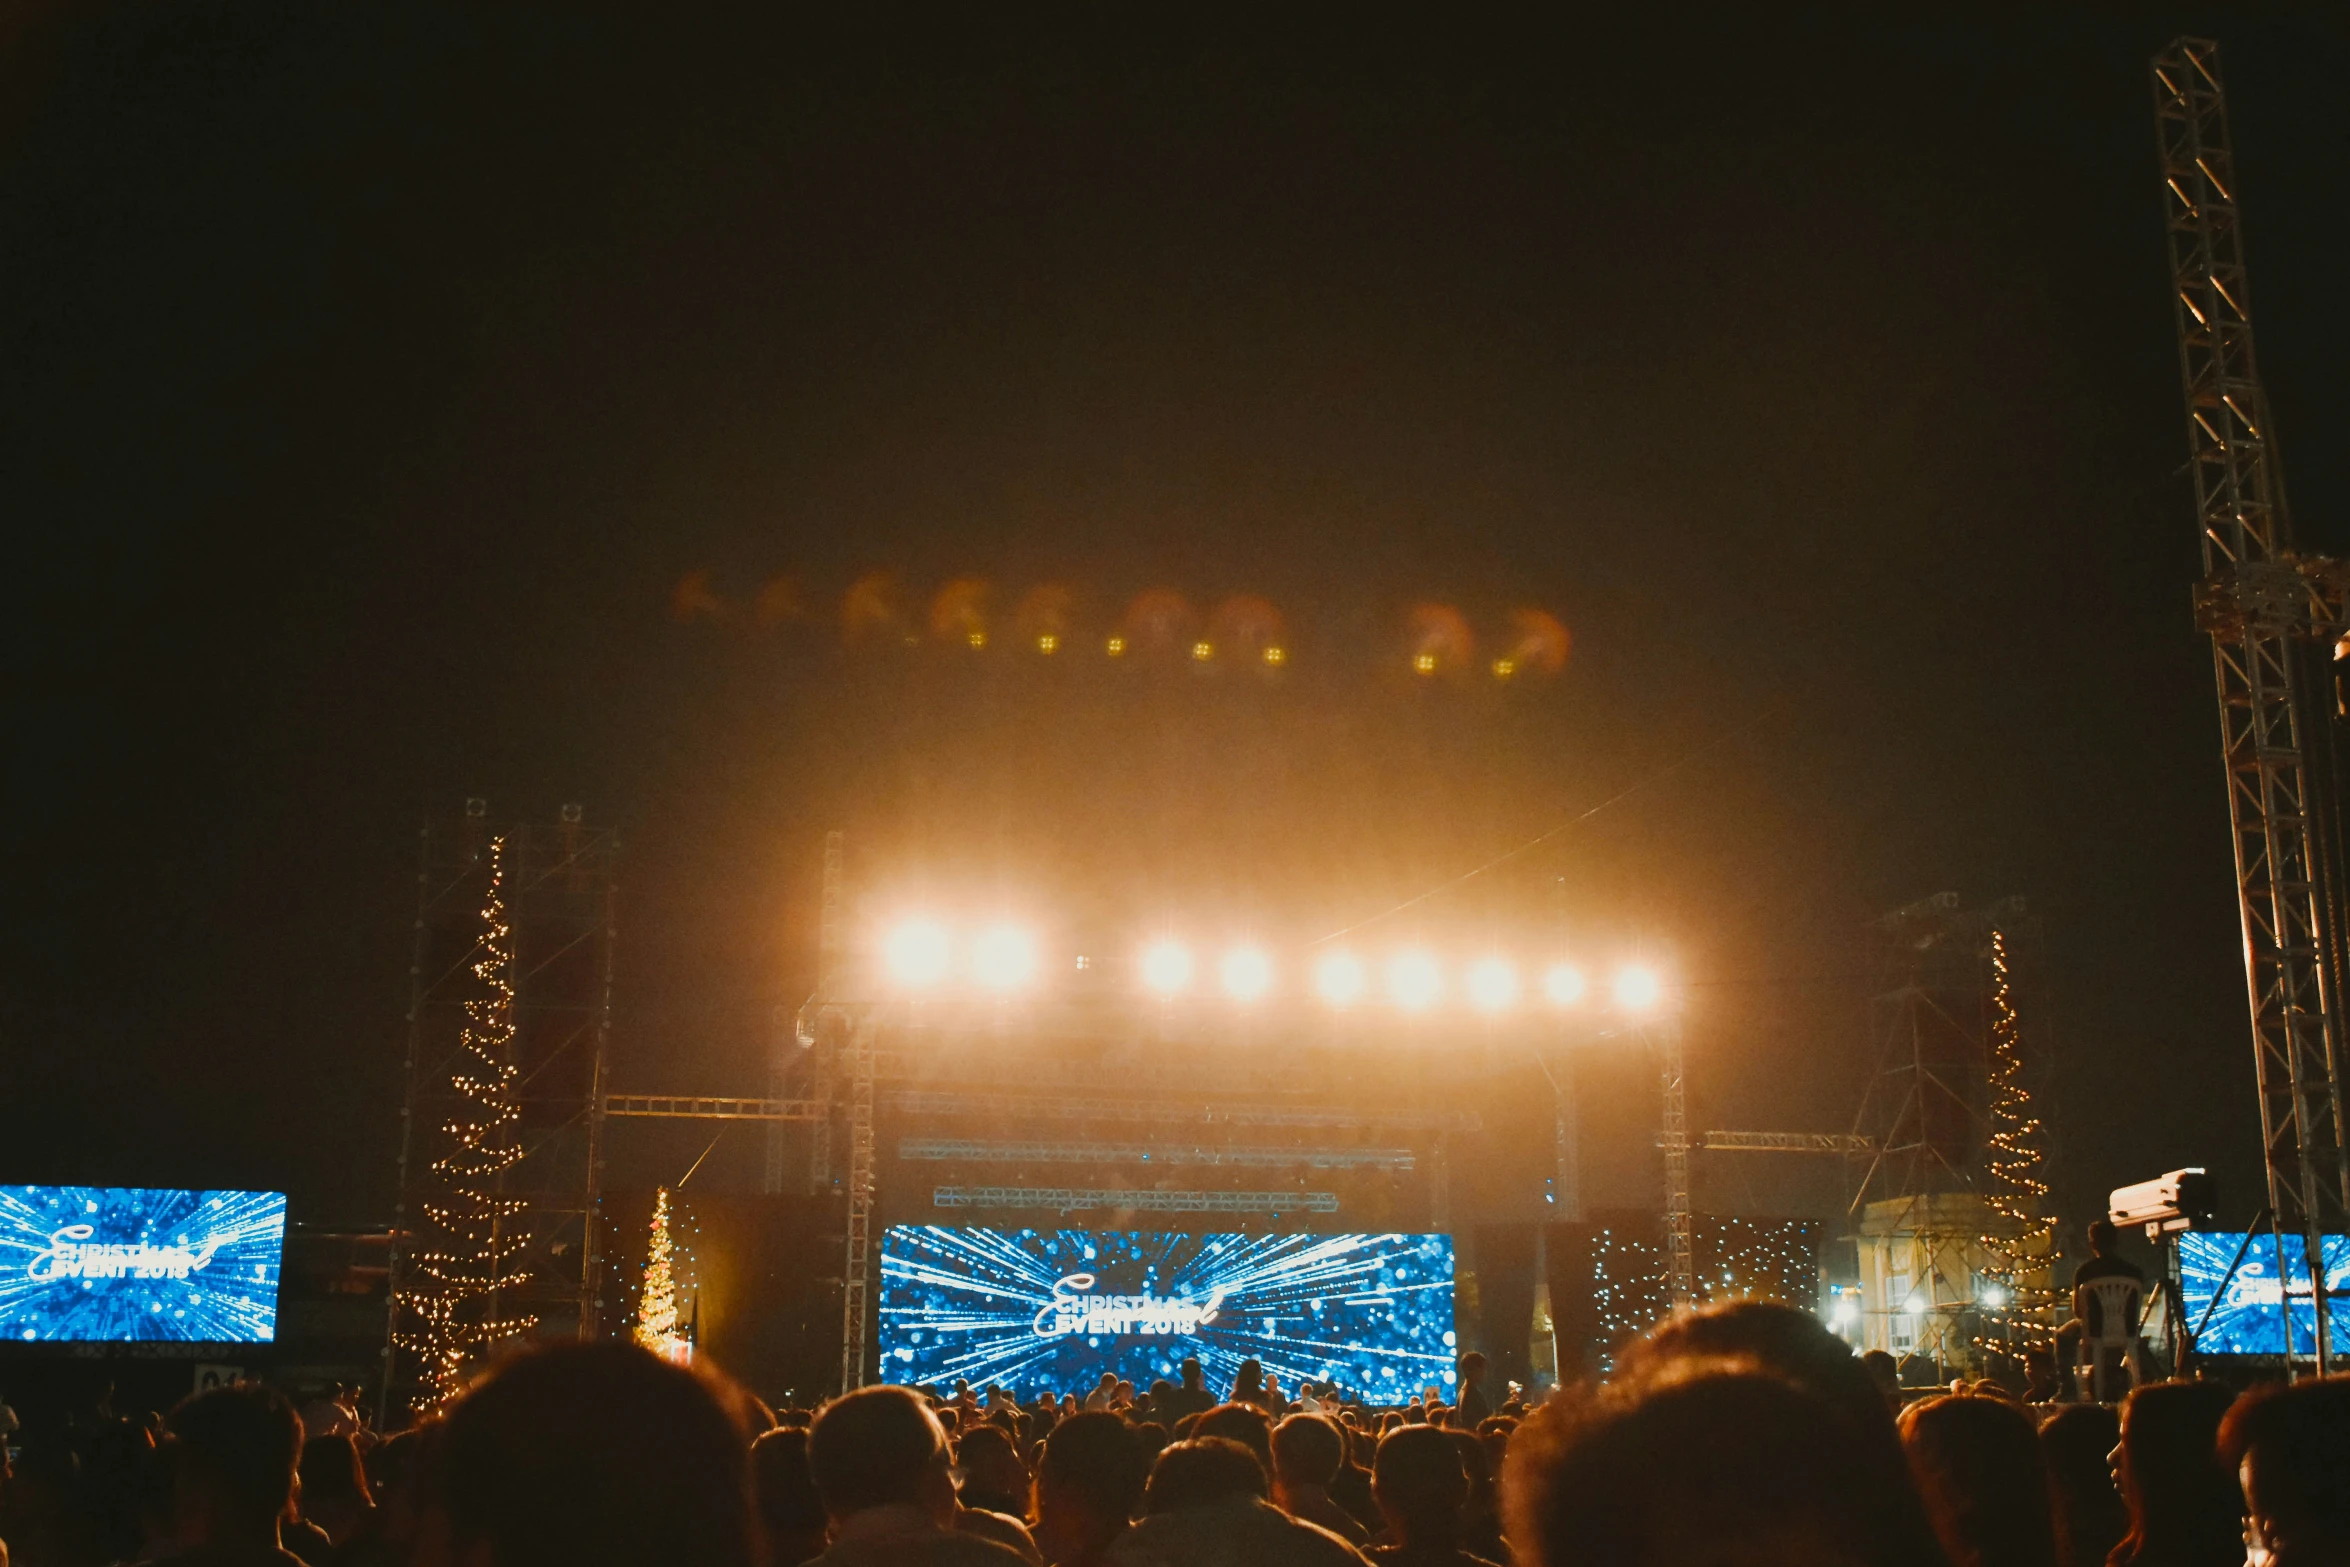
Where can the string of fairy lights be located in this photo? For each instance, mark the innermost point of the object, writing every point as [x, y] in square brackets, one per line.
[1737, 1259]
[470, 1240]
[656, 1316]
[2017, 1294]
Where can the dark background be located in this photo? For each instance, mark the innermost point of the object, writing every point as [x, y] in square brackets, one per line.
[371, 376]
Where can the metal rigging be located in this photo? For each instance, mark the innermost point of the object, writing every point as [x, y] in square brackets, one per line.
[2265, 607]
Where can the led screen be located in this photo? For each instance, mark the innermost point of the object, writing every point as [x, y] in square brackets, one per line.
[2246, 1321]
[1053, 1309]
[110, 1265]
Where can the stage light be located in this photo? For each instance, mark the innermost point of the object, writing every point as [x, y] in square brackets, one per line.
[1004, 957]
[1425, 663]
[1166, 966]
[1275, 656]
[1914, 1306]
[1503, 668]
[1117, 645]
[1203, 651]
[917, 953]
[1994, 1296]
[1562, 983]
[977, 639]
[1413, 980]
[1638, 989]
[1246, 973]
[1492, 985]
[1340, 979]
[1048, 643]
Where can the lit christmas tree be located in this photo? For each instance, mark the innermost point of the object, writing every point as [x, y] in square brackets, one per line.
[656, 1313]
[469, 1234]
[2019, 1250]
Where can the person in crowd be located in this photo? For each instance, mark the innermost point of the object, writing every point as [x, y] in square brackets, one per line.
[1474, 1406]
[1088, 1488]
[1105, 1392]
[1308, 1452]
[125, 1494]
[994, 1477]
[1152, 1436]
[1978, 1469]
[1481, 1515]
[2087, 1511]
[1701, 1462]
[592, 1455]
[2289, 1445]
[232, 1460]
[334, 1487]
[1884, 1374]
[1192, 1398]
[388, 1537]
[2102, 1263]
[1242, 1423]
[1154, 1403]
[2041, 1383]
[1248, 1384]
[881, 1464]
[1350, 1488]
[784, 1492]
[1422, 1492]
[2185, 1508]
[1797, 1346]
[1205, 1507]
[40, 1513]
[1494, 1432]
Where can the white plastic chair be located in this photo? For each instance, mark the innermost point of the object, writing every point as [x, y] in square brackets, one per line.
[2108, 1309]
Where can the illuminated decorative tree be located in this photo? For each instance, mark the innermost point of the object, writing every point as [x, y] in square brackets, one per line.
[656, 1312]
[2019, 1264]
[469, 1235]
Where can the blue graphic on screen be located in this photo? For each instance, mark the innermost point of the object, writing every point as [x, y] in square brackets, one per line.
[99, 1264]
[1031, 1310]
[2246, 1321]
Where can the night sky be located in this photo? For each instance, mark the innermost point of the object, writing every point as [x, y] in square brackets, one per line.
[374, 377]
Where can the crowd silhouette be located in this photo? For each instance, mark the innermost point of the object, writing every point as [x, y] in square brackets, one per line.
[1744, 1435]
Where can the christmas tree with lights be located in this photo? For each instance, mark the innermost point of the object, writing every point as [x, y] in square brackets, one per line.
[2016, 1279]
[469, 1238]
[656, 1312]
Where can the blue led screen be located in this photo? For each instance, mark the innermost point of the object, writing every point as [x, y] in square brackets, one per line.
[2246, 1321]
[112, 1265]
[1053, 1309]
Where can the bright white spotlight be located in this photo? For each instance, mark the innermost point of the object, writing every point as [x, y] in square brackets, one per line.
[1004, 957]
[916, 953]
[1638, 989]
[1914, 1306]
[1340, 979]
[1413, 980]
[1562, 984]
[1246, 973]
[1492, 985]
[1166, 966]
[1994, 1296]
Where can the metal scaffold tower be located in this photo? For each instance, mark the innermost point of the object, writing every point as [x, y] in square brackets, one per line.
[558, 900]
[2267, 609]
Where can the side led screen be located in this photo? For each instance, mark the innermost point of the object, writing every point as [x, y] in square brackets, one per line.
[112, 1265]
[2247, 1320]
[1032, 1310]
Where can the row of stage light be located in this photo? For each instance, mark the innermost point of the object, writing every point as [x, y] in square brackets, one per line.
[922, 955]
